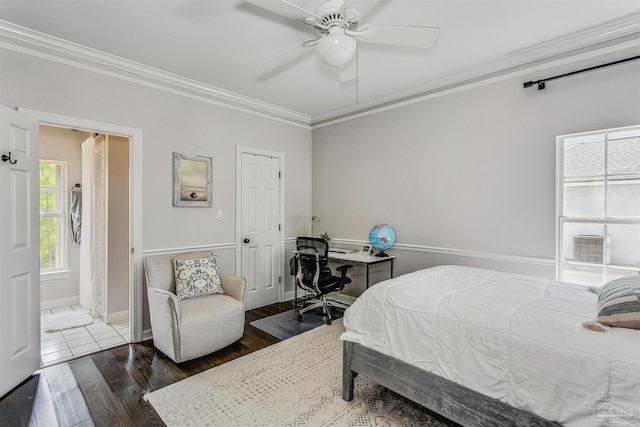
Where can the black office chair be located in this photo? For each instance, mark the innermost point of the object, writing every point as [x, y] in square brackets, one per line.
[313, 274]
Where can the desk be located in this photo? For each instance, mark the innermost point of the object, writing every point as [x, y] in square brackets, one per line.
[352, 257]
[360, 258]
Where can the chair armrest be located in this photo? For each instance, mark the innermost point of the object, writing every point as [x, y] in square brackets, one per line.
[343, 269]
[233, 286]
[164, 303]
[164, 312]
[343, 274]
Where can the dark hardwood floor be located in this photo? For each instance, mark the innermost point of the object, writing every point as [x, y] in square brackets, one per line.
[106, 388]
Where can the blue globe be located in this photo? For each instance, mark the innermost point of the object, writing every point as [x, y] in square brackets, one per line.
[382, 237]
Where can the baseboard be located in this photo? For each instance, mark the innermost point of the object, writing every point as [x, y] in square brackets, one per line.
[118, 316]
[289, 296]
[147, 334]
[60, 302]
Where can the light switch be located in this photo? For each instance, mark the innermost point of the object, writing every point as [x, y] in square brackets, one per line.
[219, 215]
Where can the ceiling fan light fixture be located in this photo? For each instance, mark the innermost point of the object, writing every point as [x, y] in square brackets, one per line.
[337, 48]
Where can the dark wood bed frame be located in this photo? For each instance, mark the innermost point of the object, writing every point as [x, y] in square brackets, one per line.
[453, 401]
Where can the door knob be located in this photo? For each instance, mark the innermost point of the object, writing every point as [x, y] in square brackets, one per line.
[247, 240]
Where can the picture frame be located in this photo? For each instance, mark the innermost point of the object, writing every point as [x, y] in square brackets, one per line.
[192, 177]
[366, 249]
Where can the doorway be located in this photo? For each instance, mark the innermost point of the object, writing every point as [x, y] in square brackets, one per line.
[85, 235]
[135, 195]
[20, 253]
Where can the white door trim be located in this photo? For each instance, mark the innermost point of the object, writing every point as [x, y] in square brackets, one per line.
[135, 195]
[240, 150]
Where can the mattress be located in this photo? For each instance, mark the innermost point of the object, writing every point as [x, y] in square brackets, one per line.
[514, 338]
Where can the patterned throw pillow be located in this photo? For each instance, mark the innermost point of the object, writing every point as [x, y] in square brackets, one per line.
[619, 303]
[196, 277]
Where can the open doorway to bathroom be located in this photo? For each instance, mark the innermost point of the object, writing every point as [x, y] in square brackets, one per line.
[84, 242]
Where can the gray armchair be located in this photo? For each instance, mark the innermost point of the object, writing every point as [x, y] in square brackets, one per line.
[190, 328]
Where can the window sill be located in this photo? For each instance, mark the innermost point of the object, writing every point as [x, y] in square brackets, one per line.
[55, 275]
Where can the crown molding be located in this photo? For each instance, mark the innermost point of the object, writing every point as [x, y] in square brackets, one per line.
[597, 41]
[601, 40]
[25, 40]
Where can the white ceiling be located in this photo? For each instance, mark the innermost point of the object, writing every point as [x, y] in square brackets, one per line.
[218, 42]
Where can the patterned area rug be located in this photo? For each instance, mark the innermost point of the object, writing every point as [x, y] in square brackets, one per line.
[296, 382]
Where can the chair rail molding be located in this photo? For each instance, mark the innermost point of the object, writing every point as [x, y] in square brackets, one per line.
[519, 259]
[181, 249]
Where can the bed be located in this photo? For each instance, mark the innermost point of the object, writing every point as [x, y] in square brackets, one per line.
[485, 348]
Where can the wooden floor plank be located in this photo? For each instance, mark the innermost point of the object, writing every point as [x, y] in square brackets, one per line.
[107, 388]
[43, 413]
[68, 402]
[106, 409]
[17, 406]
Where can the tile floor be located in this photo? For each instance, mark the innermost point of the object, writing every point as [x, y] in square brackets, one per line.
[71, 343]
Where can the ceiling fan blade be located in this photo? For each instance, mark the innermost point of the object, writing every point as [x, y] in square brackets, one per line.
[285, 57]
[349, 71]
[284, 8]
[362, 6]
[399, 35]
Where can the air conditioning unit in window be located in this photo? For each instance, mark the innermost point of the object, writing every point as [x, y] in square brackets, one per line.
[588, 248]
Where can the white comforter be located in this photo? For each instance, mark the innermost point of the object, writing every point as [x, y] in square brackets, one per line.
[514, 338]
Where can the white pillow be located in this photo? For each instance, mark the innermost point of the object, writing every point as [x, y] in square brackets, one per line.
[196, 277]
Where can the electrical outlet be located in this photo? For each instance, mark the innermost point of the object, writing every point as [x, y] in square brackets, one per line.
[219, 215]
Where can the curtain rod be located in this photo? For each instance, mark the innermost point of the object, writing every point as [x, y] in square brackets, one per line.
[541, 83]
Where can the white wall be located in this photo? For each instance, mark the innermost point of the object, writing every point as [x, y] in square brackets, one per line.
[468, 177]
[169, 123]
[471, 173]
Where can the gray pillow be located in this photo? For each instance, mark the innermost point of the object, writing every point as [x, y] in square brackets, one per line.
[619, 303]
[196, 277]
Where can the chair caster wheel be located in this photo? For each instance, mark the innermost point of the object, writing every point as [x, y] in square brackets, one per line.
[299, 317]
[329, 322]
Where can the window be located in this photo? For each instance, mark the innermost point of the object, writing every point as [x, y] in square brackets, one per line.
[53, 224]
[598, 206]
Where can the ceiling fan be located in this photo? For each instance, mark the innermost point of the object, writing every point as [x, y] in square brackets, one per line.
[338, 28]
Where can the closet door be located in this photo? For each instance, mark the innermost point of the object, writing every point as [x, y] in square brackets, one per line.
[261, 231]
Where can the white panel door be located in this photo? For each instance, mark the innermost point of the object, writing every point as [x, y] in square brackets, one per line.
[19, 249]
[260, 229]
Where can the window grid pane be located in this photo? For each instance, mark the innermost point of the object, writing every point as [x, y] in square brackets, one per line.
[52, 215]
[599, 222]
